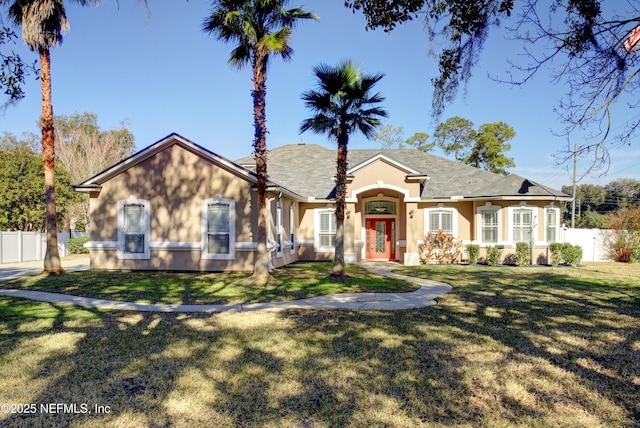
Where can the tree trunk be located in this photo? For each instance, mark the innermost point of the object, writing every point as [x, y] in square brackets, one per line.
[261, 267]
[339, 268]
[52, 264]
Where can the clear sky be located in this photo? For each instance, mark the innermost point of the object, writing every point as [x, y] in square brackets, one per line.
[162, 74]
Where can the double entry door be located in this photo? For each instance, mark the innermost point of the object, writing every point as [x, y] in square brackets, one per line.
[381, 238]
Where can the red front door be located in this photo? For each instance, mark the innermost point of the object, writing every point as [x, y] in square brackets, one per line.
[381, 238]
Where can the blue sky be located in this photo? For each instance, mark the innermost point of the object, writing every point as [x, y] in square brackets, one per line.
[162, 74]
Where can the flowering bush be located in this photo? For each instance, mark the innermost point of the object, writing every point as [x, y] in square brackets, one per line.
[441, 246]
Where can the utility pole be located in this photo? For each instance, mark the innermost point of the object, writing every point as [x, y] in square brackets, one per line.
[573, 201]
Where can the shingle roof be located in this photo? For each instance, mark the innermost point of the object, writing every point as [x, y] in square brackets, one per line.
[309, 169]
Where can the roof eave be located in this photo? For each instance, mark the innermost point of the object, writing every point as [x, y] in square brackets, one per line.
[498, 198]
[286, 192]
[86, 189]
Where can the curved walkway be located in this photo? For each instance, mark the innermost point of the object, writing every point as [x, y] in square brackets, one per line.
[424, 296]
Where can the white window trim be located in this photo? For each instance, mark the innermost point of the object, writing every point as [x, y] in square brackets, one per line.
[292, 228]
[122, 254]
[479, 211]
[204, 254]
[557, 225]
[441, 208]
[279, 228]
[316, 231]
[534, 216]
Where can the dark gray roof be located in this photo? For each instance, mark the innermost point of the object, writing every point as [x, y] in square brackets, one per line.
[309, 169]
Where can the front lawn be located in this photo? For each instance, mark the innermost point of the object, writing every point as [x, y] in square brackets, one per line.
[507, 347]
[295, 281]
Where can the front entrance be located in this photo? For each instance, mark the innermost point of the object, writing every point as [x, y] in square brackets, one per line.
[381, 236]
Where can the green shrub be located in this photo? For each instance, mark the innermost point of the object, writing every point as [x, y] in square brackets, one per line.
[474, 253]
[556, 253]
[76, 245]
[494, 256]
[523, 254]
[571, 254]
[635, 254]
[565, 254]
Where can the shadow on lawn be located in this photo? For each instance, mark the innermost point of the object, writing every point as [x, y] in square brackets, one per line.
[489, 354]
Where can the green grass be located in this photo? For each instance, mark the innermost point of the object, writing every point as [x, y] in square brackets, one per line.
[507, 347]
[295, 281]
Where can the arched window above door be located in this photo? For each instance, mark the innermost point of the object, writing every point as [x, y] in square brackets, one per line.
[380, 207]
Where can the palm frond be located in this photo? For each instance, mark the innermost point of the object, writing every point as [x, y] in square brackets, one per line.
[292, 17]
[344, 101]
[278, 42]
[42, 22]
[258, 24]
[240, 57]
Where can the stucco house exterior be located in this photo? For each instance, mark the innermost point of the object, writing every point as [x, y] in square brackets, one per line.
[177, 206]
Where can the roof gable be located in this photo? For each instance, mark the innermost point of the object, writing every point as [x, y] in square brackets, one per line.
[159, 146]
[383, 158]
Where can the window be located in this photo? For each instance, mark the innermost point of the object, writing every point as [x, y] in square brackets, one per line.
[292, 228]
[380, 207]
[133, 229]
[326, 230]
[218, 226]
[489, 227]
[441, 220]
[522, 223]
[279, 229]
[551, 218]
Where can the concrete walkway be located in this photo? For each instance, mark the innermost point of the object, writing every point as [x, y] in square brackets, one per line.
[422, 297]
[15, 270]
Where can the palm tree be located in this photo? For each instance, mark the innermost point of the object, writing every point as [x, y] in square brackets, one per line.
[342, 105]
[260, 29]
[42, 23]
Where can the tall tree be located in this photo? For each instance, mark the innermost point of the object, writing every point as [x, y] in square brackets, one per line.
[590, 201]
[342, 104]
[260, 29]
[389, 137]
[22, 197]
[85, 150]
[622, 193]
[590, 46]
[455, 135]
[489, 150]
[419, 141]
[42, 23]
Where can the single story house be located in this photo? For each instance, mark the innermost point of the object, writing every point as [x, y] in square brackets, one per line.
[178, 206]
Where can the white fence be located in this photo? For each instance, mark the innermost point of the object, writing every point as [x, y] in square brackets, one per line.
[591, 241]
[30, 246]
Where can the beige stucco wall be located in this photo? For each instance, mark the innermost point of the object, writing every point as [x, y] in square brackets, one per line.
[389, 175]
[306, 227]
[465, 217]
[174, 181]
